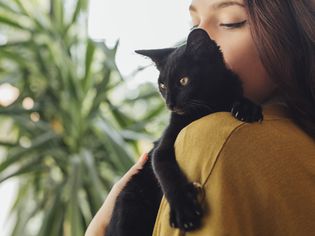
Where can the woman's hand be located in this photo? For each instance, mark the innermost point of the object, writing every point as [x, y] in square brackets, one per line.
[101, 219]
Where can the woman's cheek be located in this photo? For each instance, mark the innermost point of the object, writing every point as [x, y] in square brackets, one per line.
[242, 57]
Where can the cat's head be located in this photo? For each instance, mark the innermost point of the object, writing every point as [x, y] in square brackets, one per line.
[190, 75]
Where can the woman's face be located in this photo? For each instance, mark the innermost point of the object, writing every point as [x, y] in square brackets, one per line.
[226, 23]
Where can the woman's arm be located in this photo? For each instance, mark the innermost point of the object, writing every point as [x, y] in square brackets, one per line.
[101, 219]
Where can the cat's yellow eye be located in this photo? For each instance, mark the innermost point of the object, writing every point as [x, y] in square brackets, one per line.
[184, 81]
[162, 86]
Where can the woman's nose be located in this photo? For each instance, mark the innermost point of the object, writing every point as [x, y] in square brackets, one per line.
[205, 26]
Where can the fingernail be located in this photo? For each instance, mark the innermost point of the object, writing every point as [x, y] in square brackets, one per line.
[143, 157]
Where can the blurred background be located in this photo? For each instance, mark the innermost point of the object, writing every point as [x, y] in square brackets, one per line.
[77, 105]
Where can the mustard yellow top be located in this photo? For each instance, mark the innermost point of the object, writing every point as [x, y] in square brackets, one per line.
[258, 178]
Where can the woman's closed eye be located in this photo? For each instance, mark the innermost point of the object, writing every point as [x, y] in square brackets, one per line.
[234, 25]
[226, 25]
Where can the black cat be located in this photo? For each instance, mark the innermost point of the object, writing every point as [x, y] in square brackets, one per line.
[195, 82]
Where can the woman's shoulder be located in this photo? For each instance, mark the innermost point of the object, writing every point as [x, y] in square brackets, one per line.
[222, 127]
[220, 135]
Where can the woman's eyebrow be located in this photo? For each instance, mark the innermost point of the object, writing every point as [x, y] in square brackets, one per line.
[219, 5]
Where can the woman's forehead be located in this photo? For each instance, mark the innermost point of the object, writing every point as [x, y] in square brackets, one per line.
[214, 4]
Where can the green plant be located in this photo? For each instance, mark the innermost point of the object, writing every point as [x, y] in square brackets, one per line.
[75, 141]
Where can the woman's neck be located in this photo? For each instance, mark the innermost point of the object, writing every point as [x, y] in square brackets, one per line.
[274, 99]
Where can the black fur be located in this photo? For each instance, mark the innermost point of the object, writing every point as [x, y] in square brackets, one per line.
[211, 87]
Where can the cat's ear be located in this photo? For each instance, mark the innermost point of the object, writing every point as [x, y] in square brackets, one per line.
[158, 56]
[200, 46]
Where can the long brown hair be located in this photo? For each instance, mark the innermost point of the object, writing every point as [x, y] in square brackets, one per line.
[284, 34]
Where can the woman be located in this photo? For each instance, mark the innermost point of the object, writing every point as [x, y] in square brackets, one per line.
[257, 179]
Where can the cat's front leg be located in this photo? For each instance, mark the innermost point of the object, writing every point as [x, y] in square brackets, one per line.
[186, 210]
[247, 111]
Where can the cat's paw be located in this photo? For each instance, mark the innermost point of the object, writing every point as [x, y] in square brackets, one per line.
[247, 111]
[186, 211]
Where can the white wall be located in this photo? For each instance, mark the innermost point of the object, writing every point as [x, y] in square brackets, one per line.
[139, 24]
